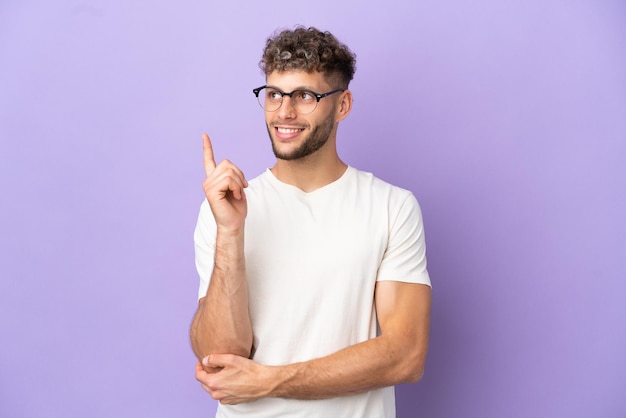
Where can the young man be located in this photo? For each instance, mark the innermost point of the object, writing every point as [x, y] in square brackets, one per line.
[314, 294]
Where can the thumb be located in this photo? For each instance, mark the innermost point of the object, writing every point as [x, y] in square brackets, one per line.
[215, 360]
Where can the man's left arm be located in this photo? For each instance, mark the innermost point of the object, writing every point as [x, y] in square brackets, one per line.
[396, 356]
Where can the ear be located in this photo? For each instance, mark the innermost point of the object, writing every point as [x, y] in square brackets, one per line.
[344, 106]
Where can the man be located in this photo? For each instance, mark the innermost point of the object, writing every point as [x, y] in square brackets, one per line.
[314, 295]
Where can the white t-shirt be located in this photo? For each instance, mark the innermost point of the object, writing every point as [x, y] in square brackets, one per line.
[312, 262]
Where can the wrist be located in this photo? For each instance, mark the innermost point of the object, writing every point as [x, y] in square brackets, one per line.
[230, 231]
[281, 381]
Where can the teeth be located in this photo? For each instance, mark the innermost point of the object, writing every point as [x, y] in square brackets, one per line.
[288, 131]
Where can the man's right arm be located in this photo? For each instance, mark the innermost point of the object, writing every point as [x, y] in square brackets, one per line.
[222, 321]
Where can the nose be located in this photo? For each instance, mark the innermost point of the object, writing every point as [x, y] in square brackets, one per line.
[286, 109]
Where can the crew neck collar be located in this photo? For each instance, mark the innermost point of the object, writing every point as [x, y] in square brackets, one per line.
[346, 174]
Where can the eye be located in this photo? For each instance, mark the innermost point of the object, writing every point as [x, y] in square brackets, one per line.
[273, 95]
[305, 96]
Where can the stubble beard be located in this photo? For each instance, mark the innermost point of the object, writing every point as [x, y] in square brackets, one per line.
[315, 140]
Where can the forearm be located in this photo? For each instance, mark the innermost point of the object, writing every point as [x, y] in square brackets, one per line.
[373, 364]
[396, 356]
[222, 322]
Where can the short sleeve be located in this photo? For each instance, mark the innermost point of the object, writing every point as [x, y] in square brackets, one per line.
[404, 259]
[204, 245]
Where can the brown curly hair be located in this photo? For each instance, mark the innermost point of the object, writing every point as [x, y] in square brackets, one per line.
[311, 50]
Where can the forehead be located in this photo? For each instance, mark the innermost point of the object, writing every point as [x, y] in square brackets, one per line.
[297, 79]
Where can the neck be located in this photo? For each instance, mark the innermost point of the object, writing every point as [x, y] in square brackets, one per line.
[312, 172]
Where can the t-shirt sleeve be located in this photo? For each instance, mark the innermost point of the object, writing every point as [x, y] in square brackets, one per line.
[204, 245]
[404, 259]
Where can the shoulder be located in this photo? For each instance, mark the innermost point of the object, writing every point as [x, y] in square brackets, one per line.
[366, 177]
[368, 182]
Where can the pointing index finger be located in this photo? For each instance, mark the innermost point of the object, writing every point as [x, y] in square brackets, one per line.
[209, 159]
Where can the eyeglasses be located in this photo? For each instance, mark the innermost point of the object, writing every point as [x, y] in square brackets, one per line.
[303, 101]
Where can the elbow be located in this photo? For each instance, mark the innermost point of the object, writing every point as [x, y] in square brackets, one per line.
[198, 344]
[407, 360]
[414, 375]
[203, 345]
[204, 342]
[413, 368]
[207, 339]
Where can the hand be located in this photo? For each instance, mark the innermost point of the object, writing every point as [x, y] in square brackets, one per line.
[238, 380]
[224, 189]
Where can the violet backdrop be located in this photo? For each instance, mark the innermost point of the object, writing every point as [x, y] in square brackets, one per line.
[506, 119]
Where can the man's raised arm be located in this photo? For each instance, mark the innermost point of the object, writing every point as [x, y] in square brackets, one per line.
[222, 321]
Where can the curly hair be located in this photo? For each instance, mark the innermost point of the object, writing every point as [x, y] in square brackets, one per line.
[311, 50]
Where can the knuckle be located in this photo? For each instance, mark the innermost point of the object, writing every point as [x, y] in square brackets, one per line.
[222, 165]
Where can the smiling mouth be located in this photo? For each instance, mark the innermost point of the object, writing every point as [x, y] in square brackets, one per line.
[289, 130]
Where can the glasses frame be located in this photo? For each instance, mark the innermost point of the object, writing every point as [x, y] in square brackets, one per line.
[318, 97]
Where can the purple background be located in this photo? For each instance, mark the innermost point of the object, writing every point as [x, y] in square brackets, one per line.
[507, 120]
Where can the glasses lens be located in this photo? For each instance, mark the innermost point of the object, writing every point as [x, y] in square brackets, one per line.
[270, 99]
[304, 101]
